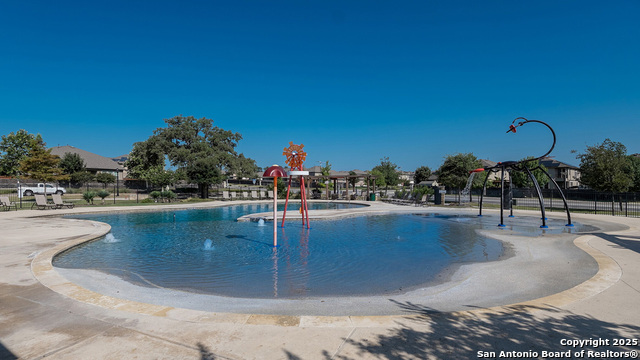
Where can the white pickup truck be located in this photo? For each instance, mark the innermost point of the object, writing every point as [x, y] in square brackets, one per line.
[41, 189]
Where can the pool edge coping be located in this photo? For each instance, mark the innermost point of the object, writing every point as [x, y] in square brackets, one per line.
[609, 272]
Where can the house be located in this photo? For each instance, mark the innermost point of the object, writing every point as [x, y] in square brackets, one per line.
[94, 163]
[567, 176]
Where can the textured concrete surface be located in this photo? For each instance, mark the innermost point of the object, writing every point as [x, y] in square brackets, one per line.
[43, 314]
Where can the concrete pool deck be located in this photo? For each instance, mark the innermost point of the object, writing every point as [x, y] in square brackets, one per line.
[42, 314]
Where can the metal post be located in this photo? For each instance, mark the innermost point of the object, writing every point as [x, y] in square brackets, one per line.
[484, 188]
[286, 202]
[501, 197]
[275, 211]
[564, 199]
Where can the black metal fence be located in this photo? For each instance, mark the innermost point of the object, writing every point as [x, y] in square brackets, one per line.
[578, 201]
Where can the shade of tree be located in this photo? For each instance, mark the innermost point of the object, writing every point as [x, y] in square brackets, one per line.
[606, 167]
[455, 169]
[387, 173]
[522, 180]
[421, 174]
[14, 148]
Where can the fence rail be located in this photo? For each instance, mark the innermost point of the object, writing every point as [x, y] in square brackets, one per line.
[578, 201]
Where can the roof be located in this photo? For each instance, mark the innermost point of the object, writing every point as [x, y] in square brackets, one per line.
[487, 163]
[551, 163]
[92, 161]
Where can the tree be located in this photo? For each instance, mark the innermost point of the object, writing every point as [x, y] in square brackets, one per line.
[159, 177]
[454, 172]
[635, 166]
[105, 179]
[71, 163]
[522, 180]
[387, 172]
[606, 167]
[326, 172]
[41, 165]
[14, 148]
[422, 174]
[144, 156]
[194, 147]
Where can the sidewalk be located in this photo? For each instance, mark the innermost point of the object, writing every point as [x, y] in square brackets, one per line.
[37, 322]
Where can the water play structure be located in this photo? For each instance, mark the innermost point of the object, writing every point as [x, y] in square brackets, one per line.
[295, 158]
[508, 166]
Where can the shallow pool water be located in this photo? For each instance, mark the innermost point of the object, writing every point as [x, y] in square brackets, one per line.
[207, 251]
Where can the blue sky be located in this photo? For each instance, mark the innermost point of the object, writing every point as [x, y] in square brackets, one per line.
[353, 81]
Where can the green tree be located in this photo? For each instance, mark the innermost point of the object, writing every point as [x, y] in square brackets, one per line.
[606, 167]
[72, 163]
[82, 177]
[105, 179]
[41, 165]
[194, 147]
[144, 156]
[14, 148]
[387, 172]
[159, 177]
[454, 172]
[521, 179]
[326, 173]
[635, 166]
[422, 174]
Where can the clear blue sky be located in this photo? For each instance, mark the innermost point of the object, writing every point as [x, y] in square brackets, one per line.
[352, 80]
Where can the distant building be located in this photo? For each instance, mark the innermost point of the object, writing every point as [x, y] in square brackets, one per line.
[567, 176]
[93, 162]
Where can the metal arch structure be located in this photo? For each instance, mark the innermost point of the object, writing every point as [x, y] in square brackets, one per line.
[295, 157]
[508, 166]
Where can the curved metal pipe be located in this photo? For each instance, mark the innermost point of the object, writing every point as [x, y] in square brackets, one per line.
[540, 199]
[513, 129]
[564, 199]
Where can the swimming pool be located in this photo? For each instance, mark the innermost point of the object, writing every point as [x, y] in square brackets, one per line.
[207, 251]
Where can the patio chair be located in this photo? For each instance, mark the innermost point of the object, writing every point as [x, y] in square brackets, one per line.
[254, 195]
[42, 203]
[57, 200]
[7, 204]
[233, 195]
[245, 195]
[225, 195]
[262, 194]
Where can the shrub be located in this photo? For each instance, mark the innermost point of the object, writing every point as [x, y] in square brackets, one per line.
[88, 196]
[155, 195]
[102, 194]
[169, 195]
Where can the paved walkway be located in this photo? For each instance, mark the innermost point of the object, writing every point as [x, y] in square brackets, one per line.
[43, 315]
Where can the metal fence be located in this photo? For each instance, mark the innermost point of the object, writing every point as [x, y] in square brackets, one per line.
[578, 201]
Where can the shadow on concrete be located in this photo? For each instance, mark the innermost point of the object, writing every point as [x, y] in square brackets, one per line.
[5, 354]
[622, 240]
[436, 335]
[205, 353]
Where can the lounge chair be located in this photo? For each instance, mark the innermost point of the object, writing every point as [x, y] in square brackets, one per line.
[7, 204]
[57, 200]
[245, 195]
[262, 194]
[225, 195]
[254, 195]
[233, 195]
[42, 203]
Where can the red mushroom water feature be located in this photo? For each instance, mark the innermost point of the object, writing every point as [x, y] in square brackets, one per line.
[275, 171]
